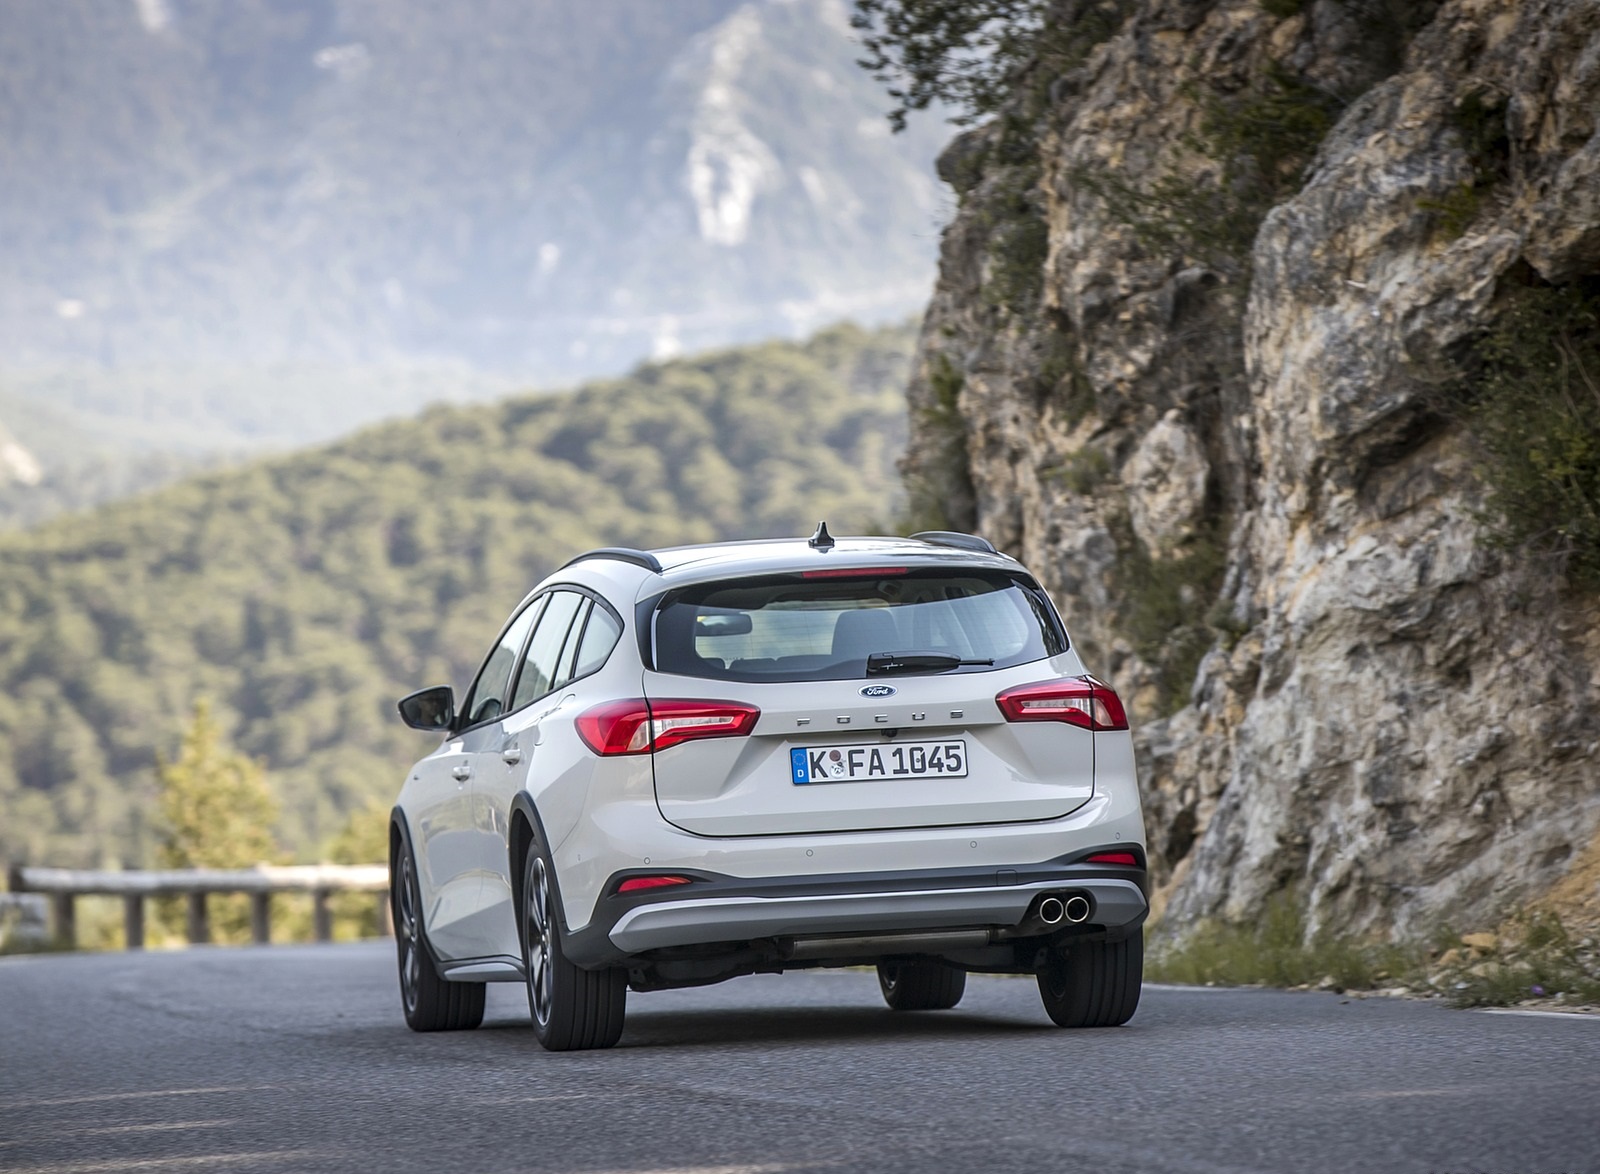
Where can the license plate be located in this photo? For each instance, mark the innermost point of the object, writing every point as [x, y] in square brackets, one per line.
[882, 760]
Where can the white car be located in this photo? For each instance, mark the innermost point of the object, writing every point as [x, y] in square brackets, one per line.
[680, 766]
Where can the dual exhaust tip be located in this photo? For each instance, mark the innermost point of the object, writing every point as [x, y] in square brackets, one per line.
[1072, 909]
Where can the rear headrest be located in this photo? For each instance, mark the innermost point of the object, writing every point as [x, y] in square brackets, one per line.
[858, 634]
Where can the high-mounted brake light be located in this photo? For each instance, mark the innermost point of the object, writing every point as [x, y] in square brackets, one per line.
[636, 883]
[1078, 701]
[637, 726]
[853, 573]
[1127, 858]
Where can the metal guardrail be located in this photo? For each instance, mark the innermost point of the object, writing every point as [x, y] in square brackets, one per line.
[65, 885]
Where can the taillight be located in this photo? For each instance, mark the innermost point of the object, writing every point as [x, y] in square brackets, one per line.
[637, 726]
[1078, 701]
[635, 884]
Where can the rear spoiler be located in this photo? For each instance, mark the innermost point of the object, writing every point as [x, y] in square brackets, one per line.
[621, 554]
[957, 539]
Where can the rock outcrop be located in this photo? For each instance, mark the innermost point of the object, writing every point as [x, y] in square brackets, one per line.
[1202, 399]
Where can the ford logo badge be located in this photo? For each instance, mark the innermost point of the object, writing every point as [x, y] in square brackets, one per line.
[877, 691]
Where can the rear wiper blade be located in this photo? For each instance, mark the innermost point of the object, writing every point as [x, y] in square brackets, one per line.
[883, 663]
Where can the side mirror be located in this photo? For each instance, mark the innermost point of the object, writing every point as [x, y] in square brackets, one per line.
[430, 709]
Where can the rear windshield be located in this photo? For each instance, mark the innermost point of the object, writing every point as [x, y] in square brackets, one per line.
[789, 628]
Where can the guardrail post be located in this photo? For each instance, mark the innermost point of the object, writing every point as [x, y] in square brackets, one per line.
[385, 918]
[66, 919]
[133, 921]
[199, 923]
[321, 915]
[261, 918]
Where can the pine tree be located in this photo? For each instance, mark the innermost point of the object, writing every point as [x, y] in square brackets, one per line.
[215, 807]
[215, 811]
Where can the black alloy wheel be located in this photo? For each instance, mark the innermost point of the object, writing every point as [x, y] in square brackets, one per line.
[536, 933]
[430, 1003]
[572, 1009]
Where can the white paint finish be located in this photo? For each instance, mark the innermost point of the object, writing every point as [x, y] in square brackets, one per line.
[438, 807]
[601, 815]
[742, 786]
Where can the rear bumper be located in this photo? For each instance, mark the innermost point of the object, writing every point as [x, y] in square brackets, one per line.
[720, 910]
[683, 923]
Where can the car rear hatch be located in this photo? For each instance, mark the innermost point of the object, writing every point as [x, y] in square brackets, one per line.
[866, 720]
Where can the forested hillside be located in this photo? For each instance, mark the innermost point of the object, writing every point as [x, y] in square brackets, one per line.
[302, 595]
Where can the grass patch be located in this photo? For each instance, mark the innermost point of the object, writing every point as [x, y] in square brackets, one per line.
[1274, 950]
[1534, 410]
[944, 478]
[1165, 607]
[1454, 211]
[1480, 123]
[1061, 382]
[1262, 139]
[1228, 626]
[1531, 956]
[1083, 471]
[13, 946]
[1014, 217]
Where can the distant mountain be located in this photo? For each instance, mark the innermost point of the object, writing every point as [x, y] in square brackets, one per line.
[534, 187]
[303, 594]
[76, 436]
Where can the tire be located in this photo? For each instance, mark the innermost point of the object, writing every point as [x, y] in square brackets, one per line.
[430, 1003]
[921, 986]
[1093, 983]
[572, 1009]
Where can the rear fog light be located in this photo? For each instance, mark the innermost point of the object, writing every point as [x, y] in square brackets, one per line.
[635, 884]
[1124, 858]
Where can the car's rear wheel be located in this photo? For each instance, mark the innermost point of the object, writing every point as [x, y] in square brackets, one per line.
[572, 1008]
[430, 1003]
[921, 986]
[1093, 983]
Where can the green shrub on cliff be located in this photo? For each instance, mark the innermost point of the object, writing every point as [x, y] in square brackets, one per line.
[1534, 410]
[1258, 144]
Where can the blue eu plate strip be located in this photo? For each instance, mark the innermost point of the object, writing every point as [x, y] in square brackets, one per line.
[797, 763]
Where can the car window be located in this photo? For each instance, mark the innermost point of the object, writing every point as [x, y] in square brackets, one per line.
[544, 650]
[600, 636]
[793, 628]
[569, 653]
[486, 699]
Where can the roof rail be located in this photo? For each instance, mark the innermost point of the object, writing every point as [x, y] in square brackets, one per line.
[621, 554]
[956, 539]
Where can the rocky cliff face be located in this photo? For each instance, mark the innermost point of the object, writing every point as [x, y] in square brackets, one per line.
[1185, 357]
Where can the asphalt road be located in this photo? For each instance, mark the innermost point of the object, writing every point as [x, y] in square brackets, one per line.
[296, 1058]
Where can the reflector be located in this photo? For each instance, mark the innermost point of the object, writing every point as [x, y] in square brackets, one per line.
[634, 883]
[1127, 858]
